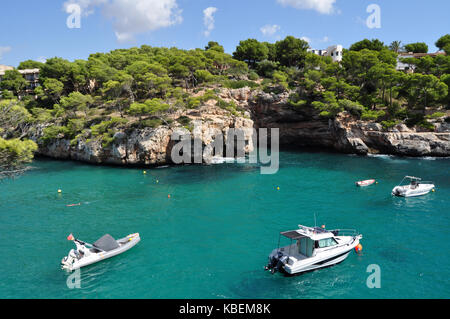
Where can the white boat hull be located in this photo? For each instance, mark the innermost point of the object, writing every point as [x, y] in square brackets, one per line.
[328, 264]
[331, 257]
[339, 255]
[365, 183]
[407, 191]
[70, 264]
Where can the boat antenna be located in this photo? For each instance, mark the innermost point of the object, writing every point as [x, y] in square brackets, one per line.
[402, 181]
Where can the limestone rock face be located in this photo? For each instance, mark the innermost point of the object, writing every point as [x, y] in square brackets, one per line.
[153, 146]
[210, 128]
[301, 126]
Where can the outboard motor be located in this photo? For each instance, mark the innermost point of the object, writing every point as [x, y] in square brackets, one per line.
[275, 263]
[67, 261]
[397, 191]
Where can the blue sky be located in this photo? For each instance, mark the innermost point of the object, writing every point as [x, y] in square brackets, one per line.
[37, 29]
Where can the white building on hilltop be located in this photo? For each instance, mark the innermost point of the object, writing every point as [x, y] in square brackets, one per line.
[410, 68]
[31, 75]
[335, 52]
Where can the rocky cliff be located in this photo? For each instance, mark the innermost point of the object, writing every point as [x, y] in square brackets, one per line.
[300, 126]
[304, 127]
[153, 146]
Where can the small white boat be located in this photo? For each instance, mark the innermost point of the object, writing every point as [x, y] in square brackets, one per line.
[415, 188]
[313, 248]
[104, 248]
[365, 183]
[222, 160]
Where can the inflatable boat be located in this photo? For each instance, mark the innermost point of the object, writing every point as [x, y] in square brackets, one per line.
[106, 247]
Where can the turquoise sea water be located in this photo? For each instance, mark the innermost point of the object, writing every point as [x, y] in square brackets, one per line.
[211, 239]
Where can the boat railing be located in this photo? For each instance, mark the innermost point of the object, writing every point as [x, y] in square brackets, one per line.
[345, 232]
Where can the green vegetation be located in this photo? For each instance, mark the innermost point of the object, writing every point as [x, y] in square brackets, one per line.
[15, 153]
[444, 43]
[146, 86]
[419, 47]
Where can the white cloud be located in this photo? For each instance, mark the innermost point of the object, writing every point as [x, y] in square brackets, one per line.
[325, 39]
[42, 59]
[131, 17]
[208, 20]
[322, 6]
[306, 39]
[86, 6]
[4, 50]
[270, 30]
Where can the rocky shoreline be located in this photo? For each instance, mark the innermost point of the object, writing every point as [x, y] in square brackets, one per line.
[300, 127]
[345, 134]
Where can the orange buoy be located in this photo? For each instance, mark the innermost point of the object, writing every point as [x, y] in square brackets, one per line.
[168, 196]
[323, 226]
[358, 248]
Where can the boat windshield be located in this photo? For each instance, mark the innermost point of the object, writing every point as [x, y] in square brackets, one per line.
[328, 242]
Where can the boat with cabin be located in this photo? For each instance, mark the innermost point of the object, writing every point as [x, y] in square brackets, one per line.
[312, 248]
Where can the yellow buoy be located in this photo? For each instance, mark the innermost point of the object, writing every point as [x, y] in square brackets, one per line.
[145, 172]
[278, 188]
[59, 191]
[433, 190]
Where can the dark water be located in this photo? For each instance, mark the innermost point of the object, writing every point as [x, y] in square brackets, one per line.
[211, 239]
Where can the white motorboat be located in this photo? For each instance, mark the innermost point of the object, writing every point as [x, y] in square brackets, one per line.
[313, 248]
[365, 183]
[415, 188]
[106, 247]
[222, 160]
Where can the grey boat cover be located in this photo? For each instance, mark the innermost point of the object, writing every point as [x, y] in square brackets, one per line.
[106, 243]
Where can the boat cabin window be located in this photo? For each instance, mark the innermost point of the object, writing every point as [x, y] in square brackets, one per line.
[328, 242]
[306, 246]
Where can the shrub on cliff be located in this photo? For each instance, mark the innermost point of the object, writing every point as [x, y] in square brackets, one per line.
[55, 132]
[239, 84]
[153, 107]
[14, 155]
[372, 115]
[104, 126]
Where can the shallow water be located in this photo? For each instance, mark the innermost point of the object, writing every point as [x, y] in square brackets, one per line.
[211, 239]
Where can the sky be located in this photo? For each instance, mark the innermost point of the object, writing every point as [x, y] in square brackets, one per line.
[39, 30]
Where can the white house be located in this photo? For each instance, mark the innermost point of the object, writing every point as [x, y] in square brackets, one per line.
[317, 52]
[31, 75]
[410, 68]
[335, 52]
